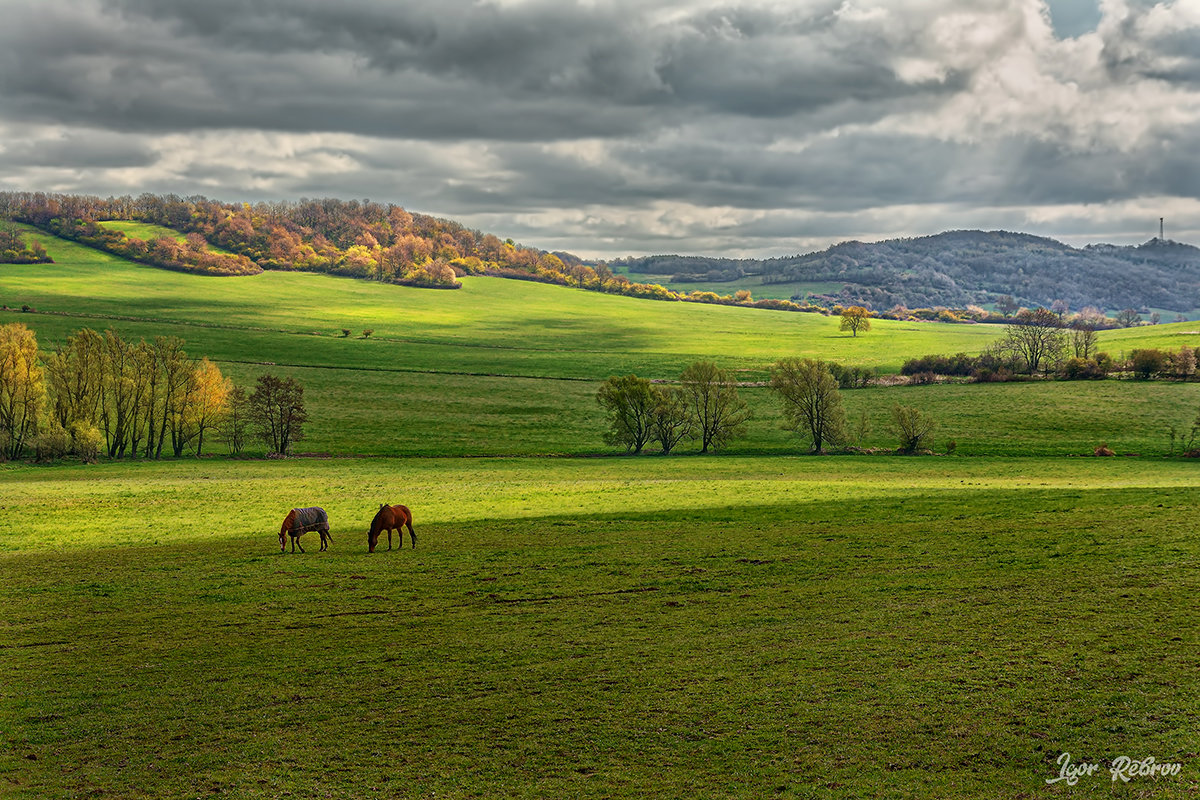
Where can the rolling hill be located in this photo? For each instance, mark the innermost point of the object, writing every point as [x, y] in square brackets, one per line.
[511, 367]
[958, 268]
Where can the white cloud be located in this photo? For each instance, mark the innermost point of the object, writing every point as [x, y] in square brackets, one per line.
[614, 126]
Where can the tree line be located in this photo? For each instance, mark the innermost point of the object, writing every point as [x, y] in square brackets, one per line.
[1041, 342]
[704, 406]
[14, 249]
[101, 394]
[359, 239]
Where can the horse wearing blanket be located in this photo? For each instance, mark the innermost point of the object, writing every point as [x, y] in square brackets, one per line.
[300, 521]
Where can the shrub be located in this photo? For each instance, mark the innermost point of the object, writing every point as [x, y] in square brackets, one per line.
[851, 377]
[367, 333]
[912, 426]
[922, 379]
[86, 441]
[1146, 363]
[51, 443]
[1077, 369]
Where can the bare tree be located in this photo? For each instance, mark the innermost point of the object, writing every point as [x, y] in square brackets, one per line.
[277, 410]
[234, 423]
[718, 413]
[912, 426]
[670, 422]
[1128, 317]
[1037, 338]
[812, 404]
[1083, 332]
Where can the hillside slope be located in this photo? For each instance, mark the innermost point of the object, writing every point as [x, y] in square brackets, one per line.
[957, 268]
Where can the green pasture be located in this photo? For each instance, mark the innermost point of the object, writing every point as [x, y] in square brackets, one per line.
[575, 623]
[758, 289]
[704, 627]
[559, 330]
[148, 232]
[510, 368]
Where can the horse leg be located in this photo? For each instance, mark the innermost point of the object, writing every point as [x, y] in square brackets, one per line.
[411, 534]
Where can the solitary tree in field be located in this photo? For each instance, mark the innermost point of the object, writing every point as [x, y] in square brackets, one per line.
[629, 402]
[855, 319]
[812, 404]
[718, 413]
[277, 411]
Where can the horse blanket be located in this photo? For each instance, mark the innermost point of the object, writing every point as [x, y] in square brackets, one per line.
[310, 519]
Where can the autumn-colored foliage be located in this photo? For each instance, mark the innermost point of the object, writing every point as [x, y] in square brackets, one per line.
[360, 239]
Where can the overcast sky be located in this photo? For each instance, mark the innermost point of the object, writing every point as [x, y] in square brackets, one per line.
[615, 127]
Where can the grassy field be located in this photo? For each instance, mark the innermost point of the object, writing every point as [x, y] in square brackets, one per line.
[510, 368]
[752, 624]
[725, 627]
[149, 232]
[759, 290]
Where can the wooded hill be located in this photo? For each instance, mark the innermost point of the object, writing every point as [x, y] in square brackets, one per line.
[358, 239]
[351, 238]
[958, 268]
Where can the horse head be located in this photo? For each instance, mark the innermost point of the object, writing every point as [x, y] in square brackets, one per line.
[283, 531]
[373, 530]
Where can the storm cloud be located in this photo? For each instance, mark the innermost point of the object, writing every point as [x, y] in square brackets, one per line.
[613, 127]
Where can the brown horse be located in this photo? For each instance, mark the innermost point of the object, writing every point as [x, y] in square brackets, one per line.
[391, 518]
[301, 520]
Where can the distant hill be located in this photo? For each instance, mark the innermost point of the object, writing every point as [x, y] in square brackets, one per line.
[961, 267]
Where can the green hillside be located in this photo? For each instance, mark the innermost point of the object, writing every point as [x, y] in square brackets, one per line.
[148, 232]
[510, 367]
[749, 624]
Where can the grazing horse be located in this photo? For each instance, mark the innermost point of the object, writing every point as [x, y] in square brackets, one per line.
[390, 518]
[300, 521]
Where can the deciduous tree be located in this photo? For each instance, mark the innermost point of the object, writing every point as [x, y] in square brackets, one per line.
[235, 422]
[718, 413]
[1037, 339]
[22, 387]
[209, 400]
[671, 423]
[855, 319]
[812, 404]
[629, 402]
[277, 411]
[912, 426]
[1128, 317]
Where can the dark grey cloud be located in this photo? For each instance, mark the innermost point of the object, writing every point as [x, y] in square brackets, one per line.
[615, 126]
